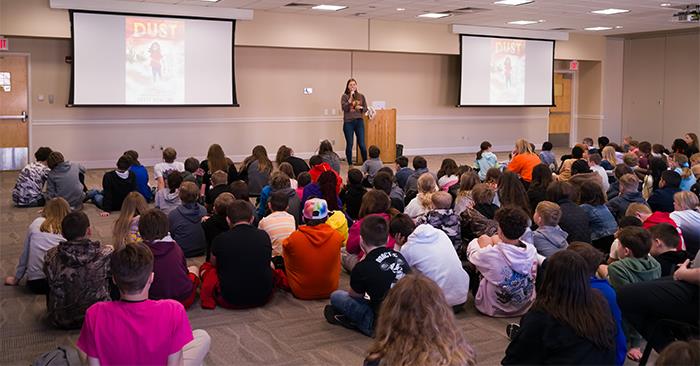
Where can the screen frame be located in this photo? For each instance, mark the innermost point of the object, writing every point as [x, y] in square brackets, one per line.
[71, 100]
[461, 55]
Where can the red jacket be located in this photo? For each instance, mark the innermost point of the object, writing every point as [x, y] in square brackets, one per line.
[659, 217]
[316, 171]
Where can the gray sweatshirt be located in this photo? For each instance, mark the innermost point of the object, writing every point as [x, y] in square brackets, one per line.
[167, 201]
[64, 181]
[549, 239]
[350, 113]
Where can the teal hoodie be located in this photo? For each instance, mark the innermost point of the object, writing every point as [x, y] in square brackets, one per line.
[633, 270]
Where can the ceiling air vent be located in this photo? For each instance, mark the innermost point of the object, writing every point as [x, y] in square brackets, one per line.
[468, 10]
[299, 5]
[562, 29]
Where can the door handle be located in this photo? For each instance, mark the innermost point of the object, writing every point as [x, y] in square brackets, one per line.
[22, 117]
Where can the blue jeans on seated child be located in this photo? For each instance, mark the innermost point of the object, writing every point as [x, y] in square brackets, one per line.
[97, 197]
[358, 311]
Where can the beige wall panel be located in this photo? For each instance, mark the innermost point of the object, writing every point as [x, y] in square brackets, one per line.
[412, 37]
[643, 88]
[681, 87]
[33, 18]
[581, 47]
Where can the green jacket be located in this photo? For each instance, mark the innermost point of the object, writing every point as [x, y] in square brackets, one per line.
[633, 270]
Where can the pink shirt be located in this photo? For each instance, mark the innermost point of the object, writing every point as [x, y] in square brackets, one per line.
[134, 333]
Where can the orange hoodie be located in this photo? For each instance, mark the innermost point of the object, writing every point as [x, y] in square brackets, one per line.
[312, 260]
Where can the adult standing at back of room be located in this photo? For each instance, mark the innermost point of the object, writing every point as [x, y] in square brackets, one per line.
[353, 104]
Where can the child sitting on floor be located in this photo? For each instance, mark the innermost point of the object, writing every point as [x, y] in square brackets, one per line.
[31, 179]
[549, 237]
[352, 193]
[160, 327]
[665, 240]
[370, 167]
[442, 217]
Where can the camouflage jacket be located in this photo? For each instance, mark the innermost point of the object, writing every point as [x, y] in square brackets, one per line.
[78, 275]
[30, 183]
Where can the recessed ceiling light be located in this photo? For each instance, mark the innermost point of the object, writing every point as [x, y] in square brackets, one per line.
[329, 7]
[597, 28]
[400, 9]
[618, 27]
[666, 4]
[523, 22]
[434, 15]
[513, 2]
[610, 11]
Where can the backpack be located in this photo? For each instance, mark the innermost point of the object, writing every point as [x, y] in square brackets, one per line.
[61, 356]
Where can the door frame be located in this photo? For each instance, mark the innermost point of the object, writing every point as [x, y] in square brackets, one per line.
[573, 126]
[30, 151]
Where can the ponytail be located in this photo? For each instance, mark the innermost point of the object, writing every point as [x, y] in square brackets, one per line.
[484, 146]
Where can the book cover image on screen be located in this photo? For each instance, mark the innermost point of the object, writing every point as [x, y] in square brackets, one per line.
[155, 61]
[507, 85]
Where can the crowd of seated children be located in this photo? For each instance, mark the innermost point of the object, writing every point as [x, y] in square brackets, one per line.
[141, 174]
[116, 185]
[312, 254]
[77, 273]
[416, 327]
[28, 189]
[371, 277]
[371, 166]
[402, 171]
[256, 170]
[43, 234]
[168, 165]
[286, 155]
[126, 227]
[65, 179]
[507, 266]
[279, 224]
[352, 193]
[679, 163]
[577, 153]
[447, 175]
[548, 238]
[246, 260]
[168, 197]
[374, 203]
[239, 274]
[185, 222]
[422, 202]
[138, 330]
[172, 278]
[568, 323]
[429, 250]
[325, 151]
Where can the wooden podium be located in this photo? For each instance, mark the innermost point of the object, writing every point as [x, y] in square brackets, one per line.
[381, 131]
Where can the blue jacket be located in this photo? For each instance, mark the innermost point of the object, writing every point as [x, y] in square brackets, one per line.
[620, 342]
[662, 199]
[142, 181]
[402, 176]
[601, 221]
[618, 205]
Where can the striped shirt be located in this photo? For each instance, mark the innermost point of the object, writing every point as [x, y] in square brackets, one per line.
[278, 225]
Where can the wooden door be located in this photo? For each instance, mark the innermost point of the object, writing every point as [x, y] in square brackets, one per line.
[560, 114]
[14, 101]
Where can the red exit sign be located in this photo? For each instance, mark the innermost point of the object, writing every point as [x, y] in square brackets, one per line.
[4, 44]
[573, 65]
